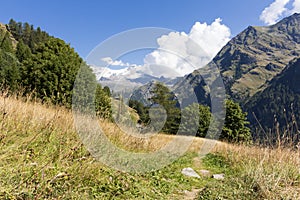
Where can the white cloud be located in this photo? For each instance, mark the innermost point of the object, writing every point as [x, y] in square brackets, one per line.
[210, 37]
[278, 9]
[181, 53]
[274, 11]
[110, 61]
[107, 60]
[296, 7]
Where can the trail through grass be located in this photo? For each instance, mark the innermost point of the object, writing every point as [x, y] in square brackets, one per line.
[41, 157]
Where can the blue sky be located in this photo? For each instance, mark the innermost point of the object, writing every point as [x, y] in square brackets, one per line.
[84, 24]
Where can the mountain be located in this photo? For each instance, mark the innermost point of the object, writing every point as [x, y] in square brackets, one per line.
[144, 93]
[249, 60]
[128, 78]
[279, 102]
[257, 55]
[260, 69]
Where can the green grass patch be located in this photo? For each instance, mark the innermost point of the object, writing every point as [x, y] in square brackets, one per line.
[236, 184]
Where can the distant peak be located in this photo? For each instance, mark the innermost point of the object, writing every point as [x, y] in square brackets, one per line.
[251, 29]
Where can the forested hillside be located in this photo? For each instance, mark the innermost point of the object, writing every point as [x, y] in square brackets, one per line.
[276, 108]
[33, 62]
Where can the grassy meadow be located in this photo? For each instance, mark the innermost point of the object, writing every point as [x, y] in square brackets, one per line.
[42, 157]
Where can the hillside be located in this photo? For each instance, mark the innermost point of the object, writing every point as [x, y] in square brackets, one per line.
[42, 157]
[279, 102]
[247, 65]
[257, 55]
[250, 59]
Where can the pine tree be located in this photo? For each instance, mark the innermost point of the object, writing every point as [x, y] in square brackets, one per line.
[163, 97]
[26, 33]
[235, 128]
[12, 27]
[141, 110]
[107, 91]
[9, 71]
[23, 52]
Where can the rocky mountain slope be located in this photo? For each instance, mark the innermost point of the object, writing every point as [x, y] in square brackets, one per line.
[251, 59]
[257, 55]
[260, 70]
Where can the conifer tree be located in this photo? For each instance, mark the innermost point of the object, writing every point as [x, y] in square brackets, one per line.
[164, 97]
[235, 128]
[23, 52]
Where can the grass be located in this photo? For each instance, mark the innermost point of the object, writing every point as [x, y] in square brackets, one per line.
[42, 157]
[270, 173]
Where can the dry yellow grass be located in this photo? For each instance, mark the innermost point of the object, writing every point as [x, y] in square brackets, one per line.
[36, 115]
[276, 171]
[25, 123]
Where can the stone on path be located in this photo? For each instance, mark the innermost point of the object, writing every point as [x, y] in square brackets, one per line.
[219, 176]
[190, 172]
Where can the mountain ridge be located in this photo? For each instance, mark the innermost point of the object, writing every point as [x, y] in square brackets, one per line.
[257, 55]
[254, 57]
[247, 64]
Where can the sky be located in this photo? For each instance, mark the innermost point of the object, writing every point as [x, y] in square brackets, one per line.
[85, 24]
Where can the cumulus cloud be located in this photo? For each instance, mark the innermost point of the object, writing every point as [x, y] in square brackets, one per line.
[274, 11]
[180, 53]
[120, 63]
[296, 6]
[278, 9]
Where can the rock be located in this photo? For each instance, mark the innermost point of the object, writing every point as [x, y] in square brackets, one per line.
[219, 176]
[190, 172]
[204, 172]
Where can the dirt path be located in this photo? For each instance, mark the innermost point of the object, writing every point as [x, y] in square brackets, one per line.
[191, 195]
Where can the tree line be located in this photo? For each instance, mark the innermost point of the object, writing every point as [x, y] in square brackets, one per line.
[195, 118]
[46, 67]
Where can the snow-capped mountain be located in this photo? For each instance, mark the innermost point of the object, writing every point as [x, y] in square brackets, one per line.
[129, 78]
[112, 74]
